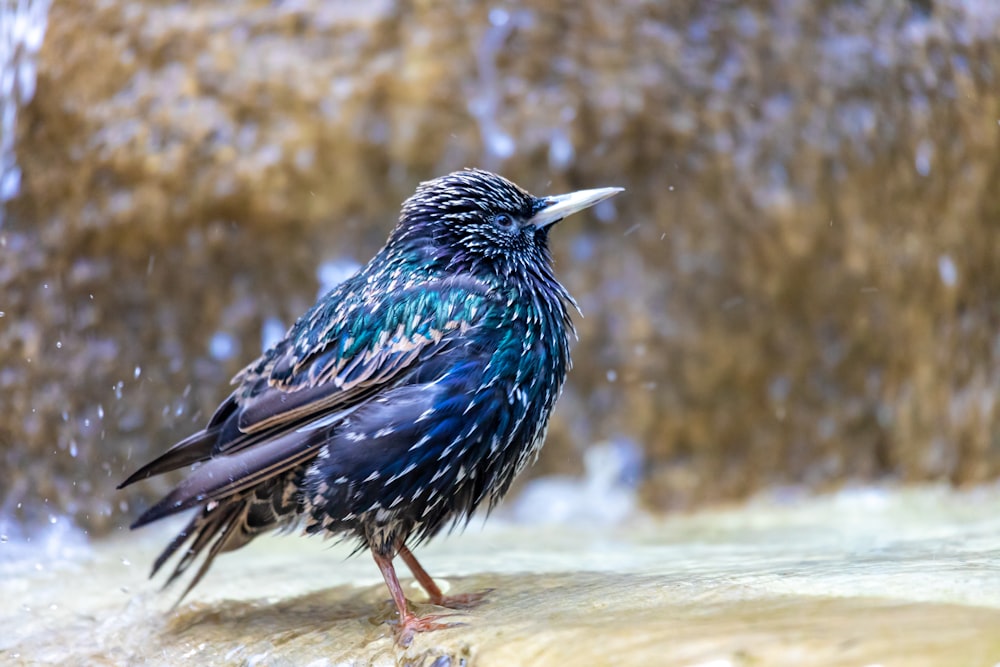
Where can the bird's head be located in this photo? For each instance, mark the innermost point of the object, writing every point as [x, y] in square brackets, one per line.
[476, 220]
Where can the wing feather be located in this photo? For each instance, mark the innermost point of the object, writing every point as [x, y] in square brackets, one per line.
[286, 403]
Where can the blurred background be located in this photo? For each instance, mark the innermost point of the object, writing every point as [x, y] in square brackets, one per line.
[799, 290]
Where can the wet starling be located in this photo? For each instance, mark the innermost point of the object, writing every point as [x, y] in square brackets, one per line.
[406, 398]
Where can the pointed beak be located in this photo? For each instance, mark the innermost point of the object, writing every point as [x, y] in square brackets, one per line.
[558, 207]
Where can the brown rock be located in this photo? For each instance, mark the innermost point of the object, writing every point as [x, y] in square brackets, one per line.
[799, 287]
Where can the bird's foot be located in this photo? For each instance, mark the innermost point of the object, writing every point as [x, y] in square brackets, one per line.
[412, 624]
[463, 601]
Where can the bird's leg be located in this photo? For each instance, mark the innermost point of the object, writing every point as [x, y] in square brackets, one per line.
[433, 592]
[409, 623]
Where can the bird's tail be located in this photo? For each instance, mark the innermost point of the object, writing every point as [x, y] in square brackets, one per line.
[225, 525]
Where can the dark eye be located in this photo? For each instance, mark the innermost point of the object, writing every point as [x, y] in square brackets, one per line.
[504, 221]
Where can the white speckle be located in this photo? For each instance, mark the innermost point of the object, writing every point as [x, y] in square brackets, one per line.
[420, 443]
[947, 270]
[137, 372]
[612, 375]
[406, 471]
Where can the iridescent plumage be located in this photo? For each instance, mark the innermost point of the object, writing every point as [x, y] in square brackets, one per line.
[406, 398]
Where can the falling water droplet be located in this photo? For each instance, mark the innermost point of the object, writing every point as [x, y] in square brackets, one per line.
[137, 372]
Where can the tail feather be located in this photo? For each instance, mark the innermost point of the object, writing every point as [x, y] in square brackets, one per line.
[224, 526]
[197, 447]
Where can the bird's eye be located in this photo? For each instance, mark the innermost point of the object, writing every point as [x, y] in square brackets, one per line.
[504, 221]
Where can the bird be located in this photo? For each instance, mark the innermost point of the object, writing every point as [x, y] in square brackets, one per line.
[407, 398]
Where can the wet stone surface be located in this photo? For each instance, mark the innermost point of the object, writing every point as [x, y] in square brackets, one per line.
[860, 578]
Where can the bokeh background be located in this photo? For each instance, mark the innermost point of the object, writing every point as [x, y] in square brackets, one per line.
[800, 288]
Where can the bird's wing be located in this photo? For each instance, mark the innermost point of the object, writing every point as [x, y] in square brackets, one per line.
[336, 356]
[330, 363]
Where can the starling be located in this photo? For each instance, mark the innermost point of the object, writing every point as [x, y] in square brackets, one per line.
[406, 398]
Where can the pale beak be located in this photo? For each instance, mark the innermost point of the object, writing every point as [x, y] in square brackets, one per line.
[558, 207]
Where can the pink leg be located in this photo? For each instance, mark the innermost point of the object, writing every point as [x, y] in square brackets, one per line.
[433, 592]
[409, 623]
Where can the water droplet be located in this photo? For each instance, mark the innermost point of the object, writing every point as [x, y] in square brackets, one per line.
[58, 344]
[222, 346]
[499, 17]
[3, 538]
[100, 411]
[272, 331]
[126, 562]
[137, 372]
[947, 270]
[53, 519]
[73, 451]
[612, 375]
[561, 152]
[924, 156]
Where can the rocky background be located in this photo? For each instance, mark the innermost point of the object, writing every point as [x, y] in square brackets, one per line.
[800, 287]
